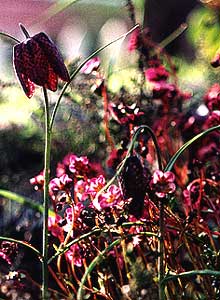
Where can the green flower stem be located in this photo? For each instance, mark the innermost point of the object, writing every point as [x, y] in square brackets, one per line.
[161, 250]
[173, 159]
[10, 37]
[123, 36]
[25, 244]
[67, 246]
[97, 231]
[191, 273]
[130, 149]
[92, 265]
[100, 258]
[175, 34]
[22, 200]
[46, 197]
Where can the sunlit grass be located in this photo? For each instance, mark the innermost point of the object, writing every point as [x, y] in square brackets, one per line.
[15, 107]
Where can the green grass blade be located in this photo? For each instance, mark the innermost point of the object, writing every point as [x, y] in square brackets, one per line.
[23, 201]
[174, 158]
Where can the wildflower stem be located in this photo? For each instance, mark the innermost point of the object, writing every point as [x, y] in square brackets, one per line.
[174, 158]
[161, 250]
[123, 36]
[46, 197]
[130, 149]
[10, 37]
[25, 244]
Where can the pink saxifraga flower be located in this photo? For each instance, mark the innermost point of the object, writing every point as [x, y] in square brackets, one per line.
[8, 251]
[95, 185]
[212, 97]
[78, 165]
[163, 183]
[73, 255]
[156, 74]
[133, 42]
[53, 226]
[110, 198]
[38, 61]
[59, 184]
[38, 181]
[91, 65]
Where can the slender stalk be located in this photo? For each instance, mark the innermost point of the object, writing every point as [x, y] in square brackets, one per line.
[25, 244]
[161, 250]
[10, 37]
[73, 75]
[46, 197]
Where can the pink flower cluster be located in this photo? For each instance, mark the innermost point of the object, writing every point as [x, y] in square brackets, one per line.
[163, 183]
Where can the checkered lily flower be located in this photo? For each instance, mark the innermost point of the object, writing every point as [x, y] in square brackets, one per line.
[38, 61]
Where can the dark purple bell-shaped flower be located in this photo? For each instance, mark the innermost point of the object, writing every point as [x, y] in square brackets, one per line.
[38, 61]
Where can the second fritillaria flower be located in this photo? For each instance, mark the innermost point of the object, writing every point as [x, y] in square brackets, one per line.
[163, 183]
[38, 61]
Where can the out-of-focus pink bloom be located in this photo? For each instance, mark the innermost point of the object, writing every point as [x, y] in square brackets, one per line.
[133, 42]
[156, 74]
[53, 226]
[163, 89]
[63, 167]
[213, 119]
[110, 198]
[8, 251]
[38, 181]
[78, 165]
[125, 114]
[73, 255]
[212, 97]
[163, 183]
[91, 65]
[37, 60]
[115, 158]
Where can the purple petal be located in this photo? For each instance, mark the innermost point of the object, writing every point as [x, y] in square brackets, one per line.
[26, 83]
[52, 54]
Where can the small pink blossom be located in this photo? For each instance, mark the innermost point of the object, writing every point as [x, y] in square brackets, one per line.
[156, 74]
[78, 165]
[8, 251]
[95, 185]
[213, 119]
[73, 255]
[59, 184]
[92, 65]
[38, 181]
[111, 197]
[163, 183]
[212, 97]
[133, 42]
[80, 189]
[53, 226]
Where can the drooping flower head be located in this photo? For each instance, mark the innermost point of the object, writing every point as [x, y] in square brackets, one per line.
[37, 60]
